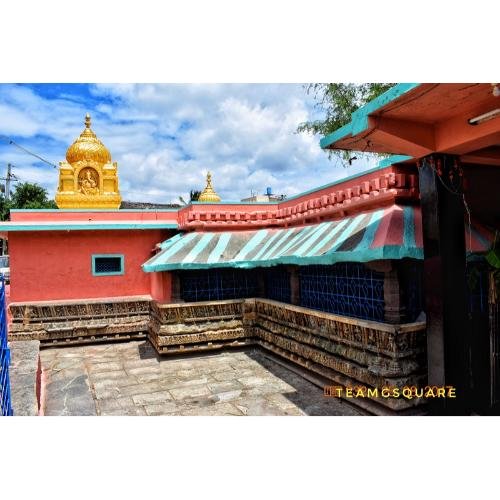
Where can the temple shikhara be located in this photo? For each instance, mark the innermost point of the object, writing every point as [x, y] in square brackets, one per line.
[88, 178]
[365, 281]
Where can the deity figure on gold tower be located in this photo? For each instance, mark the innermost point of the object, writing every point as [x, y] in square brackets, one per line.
[88, 178]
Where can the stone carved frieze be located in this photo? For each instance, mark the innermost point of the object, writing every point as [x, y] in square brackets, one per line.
[79, 322]
[336, 347]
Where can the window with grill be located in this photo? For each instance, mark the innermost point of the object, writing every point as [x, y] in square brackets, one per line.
[107, 265]
[349, 289]
[218, 284]
[278, 284]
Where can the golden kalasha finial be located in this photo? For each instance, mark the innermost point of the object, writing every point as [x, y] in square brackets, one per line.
[87, 120]
[208, 194]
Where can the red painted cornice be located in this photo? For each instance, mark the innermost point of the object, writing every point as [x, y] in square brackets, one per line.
[394, 184]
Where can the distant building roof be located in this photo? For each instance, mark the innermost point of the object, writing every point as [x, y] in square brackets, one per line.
[146, 206]
[259, 198]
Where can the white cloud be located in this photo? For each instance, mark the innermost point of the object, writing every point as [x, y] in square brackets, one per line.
[166, 136]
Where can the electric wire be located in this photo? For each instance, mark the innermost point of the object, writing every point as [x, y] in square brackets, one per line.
[459, 191]
[22, 148]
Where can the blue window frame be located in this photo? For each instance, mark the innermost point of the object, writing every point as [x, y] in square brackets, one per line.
[108, 265]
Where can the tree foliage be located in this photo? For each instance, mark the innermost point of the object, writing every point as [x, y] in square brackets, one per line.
[31, 195]
[194, 195]
[338, 101]
[26, 195]
[4, 208]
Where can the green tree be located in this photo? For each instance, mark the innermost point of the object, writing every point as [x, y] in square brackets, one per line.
[30, 195]
[338, 101]
[193, 196]
[4, 208]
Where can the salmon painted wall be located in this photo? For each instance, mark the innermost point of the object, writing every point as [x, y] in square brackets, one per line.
[161, 286]
[57, 215]
[57, 265]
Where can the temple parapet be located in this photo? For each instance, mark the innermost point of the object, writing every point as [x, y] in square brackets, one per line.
[377, 189]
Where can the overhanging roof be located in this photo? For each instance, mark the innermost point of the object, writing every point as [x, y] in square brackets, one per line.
[359, 119]
[420, 119]
[381, 234]
[390, 233]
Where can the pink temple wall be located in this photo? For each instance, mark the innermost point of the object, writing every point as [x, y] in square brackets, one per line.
[161, 286]
[109, 215]
[56, 265]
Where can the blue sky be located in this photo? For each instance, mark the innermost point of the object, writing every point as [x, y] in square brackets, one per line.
[166, 136]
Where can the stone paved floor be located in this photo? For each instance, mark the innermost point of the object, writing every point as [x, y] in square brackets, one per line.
[130, 379]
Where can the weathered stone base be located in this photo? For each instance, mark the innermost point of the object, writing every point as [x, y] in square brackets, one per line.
[339, 350]
[344, 351]
[25, 377]
[80, 322]
[367, 406]
[201, 326]
[202, 346]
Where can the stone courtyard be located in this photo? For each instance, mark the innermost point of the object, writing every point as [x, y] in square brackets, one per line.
[131, 379]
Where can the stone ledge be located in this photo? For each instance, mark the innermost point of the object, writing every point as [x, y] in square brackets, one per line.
[25, 377]
[342, 349]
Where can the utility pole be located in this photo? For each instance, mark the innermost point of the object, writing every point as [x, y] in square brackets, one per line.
[7, 182]
[10, 176]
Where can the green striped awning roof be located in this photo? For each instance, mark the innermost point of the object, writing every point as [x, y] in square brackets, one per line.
[381, 234]
[389, 233]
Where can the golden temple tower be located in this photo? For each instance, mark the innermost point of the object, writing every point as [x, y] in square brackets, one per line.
[208, 194]
[88, 179]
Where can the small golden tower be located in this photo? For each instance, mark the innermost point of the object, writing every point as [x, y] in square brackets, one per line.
[88, 179]
[208, 194]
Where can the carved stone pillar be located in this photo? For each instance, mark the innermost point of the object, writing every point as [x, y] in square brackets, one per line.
[294, 285]
[176, 287]
[394, 310]
[261, 283]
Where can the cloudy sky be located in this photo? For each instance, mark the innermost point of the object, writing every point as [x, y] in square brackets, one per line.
[166, 136]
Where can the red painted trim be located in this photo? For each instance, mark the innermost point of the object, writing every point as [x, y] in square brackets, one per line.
[383, 229]
[382, 233]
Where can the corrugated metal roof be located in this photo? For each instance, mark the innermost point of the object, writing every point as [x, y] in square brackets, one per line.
[349, 239]
[389, 233]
